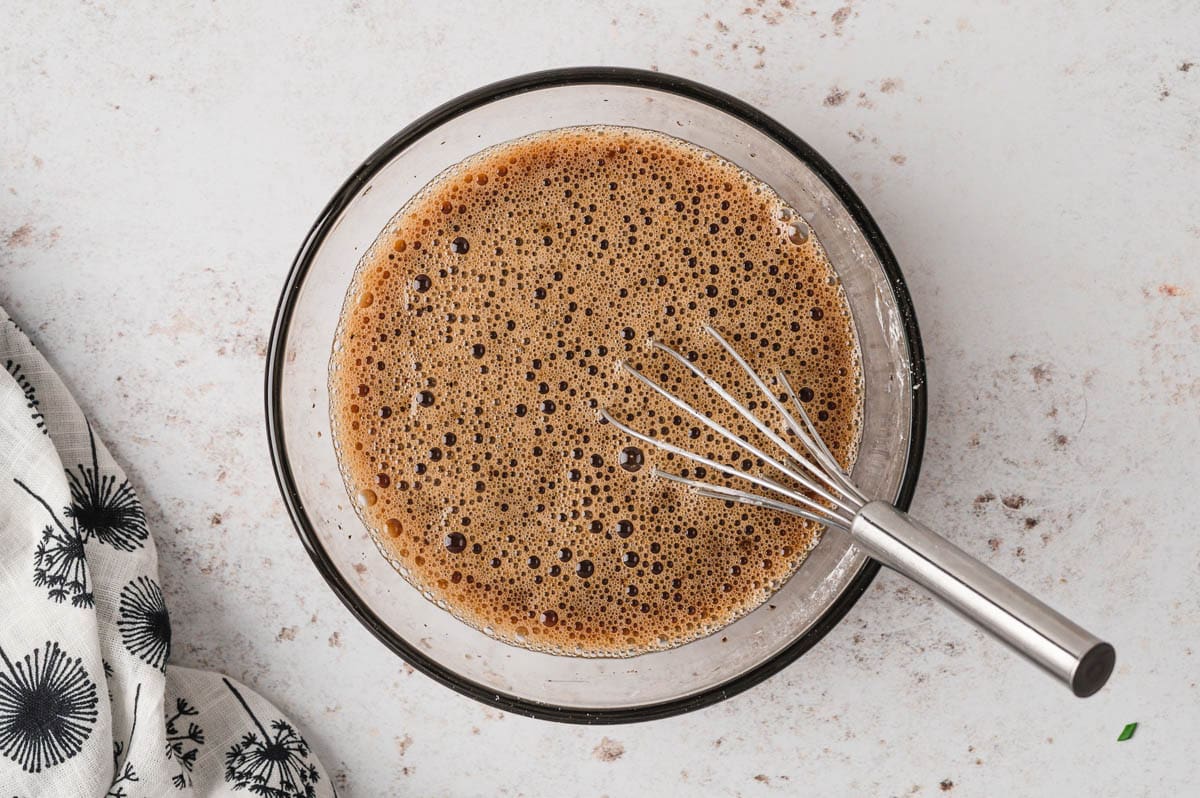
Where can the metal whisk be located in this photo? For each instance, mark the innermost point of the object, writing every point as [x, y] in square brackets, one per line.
[816, 487]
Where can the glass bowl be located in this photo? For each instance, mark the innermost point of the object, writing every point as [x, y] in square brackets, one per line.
[588, 690]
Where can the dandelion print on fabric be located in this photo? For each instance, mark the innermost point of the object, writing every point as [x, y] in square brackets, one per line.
[183, 746]
[71, 517]
[31, 400]
[273, 765]
[101, 509]
[124, 774]
[145, 625]
[47, 708]
[59, 564]
[104, 509]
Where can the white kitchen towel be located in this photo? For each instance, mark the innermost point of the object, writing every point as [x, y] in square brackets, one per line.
[88, 704]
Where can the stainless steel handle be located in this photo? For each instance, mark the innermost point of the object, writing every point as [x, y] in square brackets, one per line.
[1029, 627]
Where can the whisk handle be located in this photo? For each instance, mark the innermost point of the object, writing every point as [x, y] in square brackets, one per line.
[1060, 646]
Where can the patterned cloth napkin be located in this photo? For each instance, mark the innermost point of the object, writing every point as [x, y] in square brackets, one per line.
[88, 704]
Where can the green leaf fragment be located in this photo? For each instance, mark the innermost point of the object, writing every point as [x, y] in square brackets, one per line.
[1127, 732]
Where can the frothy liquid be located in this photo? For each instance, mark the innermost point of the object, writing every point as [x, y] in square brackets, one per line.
[479, 337]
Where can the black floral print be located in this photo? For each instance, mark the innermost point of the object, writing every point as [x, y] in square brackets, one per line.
[104, 509]
[59, 563]
[87, 535]
[101, 509]
[144, 623]
[47, 708]
[124, 773]
[108, 675]
[183, 746]
[31, 400]
[274, 765]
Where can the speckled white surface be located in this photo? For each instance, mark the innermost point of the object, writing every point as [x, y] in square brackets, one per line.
[1035, 168]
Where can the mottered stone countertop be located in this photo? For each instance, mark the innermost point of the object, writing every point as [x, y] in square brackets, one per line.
[1034, 166]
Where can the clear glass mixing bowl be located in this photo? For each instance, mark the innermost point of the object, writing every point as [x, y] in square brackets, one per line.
[564, 688]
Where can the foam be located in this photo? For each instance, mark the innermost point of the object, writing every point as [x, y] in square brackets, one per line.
[479, 336]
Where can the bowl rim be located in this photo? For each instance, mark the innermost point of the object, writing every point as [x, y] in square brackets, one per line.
[361, 176]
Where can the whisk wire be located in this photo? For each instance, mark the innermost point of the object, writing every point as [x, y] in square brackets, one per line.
[827, 497]
[815, 444]
[745, 412]
[711, 491]
[723, 431]
[830, 470]
[722, 468]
